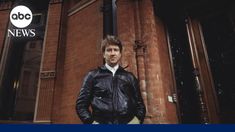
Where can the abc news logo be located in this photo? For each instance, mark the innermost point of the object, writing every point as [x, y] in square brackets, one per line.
[21, 16]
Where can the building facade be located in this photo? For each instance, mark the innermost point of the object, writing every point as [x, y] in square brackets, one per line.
[181, 51]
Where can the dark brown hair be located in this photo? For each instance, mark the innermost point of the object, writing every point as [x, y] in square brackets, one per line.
[110, 40]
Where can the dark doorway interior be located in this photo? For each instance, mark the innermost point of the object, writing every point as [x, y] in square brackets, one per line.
[189, 110]
[9, 84]
[19, 85]
[219, 34]
[217, 19]
[173, 13]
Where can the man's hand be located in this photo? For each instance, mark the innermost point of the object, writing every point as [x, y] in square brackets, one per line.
[135, 120]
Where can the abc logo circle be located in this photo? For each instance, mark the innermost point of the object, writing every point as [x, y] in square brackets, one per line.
[21, 16]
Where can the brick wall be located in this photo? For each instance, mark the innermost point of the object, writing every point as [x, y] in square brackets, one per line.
[46, 85]
[82, 53]
[136, 21]
[126, 33]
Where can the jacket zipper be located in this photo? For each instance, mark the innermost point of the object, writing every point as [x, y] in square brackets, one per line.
[112, 99]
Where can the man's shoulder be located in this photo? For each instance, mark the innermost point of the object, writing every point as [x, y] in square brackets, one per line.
[129, 74]
[93, 71]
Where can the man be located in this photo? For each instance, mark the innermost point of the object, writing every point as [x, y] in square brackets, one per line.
[112, 92]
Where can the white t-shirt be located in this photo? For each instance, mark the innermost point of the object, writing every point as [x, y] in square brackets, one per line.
[112, 69]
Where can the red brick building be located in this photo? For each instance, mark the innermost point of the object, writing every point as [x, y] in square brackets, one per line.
[181, 51]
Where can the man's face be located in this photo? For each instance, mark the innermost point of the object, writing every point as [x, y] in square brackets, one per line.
[112, 55]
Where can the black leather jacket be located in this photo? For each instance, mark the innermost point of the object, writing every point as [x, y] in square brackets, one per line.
[113, 99]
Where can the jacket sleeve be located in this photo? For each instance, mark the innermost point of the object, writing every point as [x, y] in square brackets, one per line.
[84, 99]
[140, 107]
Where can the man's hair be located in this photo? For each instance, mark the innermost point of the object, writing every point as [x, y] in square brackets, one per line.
[110, 40]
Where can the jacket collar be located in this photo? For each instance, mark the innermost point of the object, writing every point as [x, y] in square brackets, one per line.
[103, 67]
